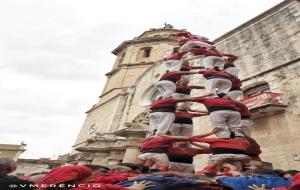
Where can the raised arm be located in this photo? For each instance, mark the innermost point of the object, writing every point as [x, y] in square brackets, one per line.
[198, 111]
[192, 99]
[177, 138]
[199, 145]
[214, 131]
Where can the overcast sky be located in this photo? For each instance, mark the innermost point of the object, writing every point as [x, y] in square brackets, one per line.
[54, 54]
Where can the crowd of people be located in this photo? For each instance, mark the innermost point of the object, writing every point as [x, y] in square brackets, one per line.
[166, 154]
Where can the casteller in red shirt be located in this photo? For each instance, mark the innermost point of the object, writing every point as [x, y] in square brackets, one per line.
[216, 104]
[65, 174]
[244, 111]
[163, 105]
[236, 83]
[212, 73]
[230, 143]
[160, 144]
[188, 151]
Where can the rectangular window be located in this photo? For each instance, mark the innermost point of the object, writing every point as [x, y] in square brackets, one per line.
[147, 52]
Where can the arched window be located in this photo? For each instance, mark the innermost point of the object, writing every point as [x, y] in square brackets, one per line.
[149, 95]
[155, 95]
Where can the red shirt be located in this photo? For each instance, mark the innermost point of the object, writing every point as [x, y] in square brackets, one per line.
[167, 104]
[238, 144]
[188, 151]
[192, 37]
[110, 178]
[185, 115]
[244, 111]
[254, 148]
[198, 50]
[211, 52]
[236, 83]
[174, 56]
[183, 89]
[185, 66]
[158, 142]
[215, 104]
[66, 173]
[172, 76]
[212, 73]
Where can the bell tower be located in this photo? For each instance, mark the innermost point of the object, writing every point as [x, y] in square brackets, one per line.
[133, 57]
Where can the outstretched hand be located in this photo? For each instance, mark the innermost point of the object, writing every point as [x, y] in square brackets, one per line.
[255, 187]
[140, 186]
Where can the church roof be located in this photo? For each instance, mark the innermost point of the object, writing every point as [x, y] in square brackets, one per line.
[143, 38]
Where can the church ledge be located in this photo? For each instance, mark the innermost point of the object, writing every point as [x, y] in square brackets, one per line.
[267, 110]
[113, 89]
[114, 71]
[106, 149]
[100, 105]
[255, 20]
[123, 45]
[127, 132]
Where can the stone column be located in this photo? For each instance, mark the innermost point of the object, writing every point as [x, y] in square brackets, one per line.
[131, 155]
[100, 159]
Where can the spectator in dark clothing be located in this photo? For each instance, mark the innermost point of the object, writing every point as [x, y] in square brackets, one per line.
[8, 182]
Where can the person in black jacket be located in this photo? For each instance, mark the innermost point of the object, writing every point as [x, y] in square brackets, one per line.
[8, 182]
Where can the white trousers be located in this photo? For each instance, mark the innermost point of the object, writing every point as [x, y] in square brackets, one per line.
[217, 85]
[211, 62]
[182, 129]
[235, 94]
[161, 122]
[182, 167]
[247, 125]
[227, 120]
[166, 88]
[233, 71]
[173, 65]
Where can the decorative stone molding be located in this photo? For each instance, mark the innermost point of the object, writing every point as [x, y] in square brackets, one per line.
[142, 118]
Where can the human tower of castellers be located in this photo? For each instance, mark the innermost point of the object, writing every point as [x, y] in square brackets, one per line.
[166, 154]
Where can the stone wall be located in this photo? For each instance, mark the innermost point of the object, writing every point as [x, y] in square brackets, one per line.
[110, 112]
[269, 50]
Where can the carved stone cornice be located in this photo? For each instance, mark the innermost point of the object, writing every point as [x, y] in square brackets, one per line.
[121, 66]
[131, 133]
[119, 88]
[124, 44]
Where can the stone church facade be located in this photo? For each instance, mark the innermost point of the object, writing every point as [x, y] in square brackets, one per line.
[268, 47]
